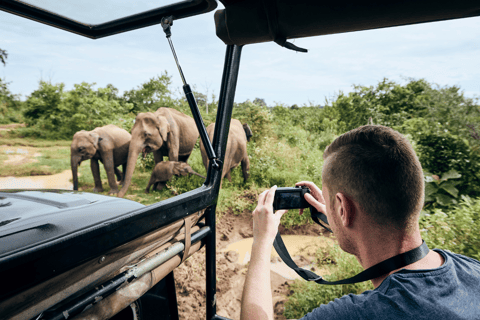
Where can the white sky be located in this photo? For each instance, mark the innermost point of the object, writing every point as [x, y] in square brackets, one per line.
[445, 52]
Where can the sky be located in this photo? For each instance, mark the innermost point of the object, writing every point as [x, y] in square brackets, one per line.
[445, 53]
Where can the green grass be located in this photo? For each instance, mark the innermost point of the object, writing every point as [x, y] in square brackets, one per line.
[10, 138]
[52, 160]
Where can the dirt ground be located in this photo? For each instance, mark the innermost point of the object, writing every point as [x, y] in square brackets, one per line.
[190, 276]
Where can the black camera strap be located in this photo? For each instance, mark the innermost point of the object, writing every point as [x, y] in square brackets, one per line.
[373, 272]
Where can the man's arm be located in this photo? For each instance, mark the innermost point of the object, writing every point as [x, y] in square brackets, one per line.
[257, 292]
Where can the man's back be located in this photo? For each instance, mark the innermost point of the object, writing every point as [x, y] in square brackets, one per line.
[451, 291]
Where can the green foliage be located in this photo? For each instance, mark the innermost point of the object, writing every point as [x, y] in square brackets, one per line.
[309, 295]
[53, 113]
[150, 96]
[440, 153]
[257, 117]
[441, 191]
[3, 56]
[457, 229]
[10, 105]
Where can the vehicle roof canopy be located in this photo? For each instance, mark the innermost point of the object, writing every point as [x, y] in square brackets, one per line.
[253, 21]
[242, 21]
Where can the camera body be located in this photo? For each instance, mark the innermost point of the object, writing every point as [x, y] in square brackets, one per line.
[294, 198]
[290, 198]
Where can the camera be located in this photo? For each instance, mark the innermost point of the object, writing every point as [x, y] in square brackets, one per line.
[290, 198]
[294, 198]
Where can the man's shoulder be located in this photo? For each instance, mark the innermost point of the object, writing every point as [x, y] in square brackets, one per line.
[420, 294]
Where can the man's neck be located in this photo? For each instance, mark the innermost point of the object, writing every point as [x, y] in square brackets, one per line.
[375, 248]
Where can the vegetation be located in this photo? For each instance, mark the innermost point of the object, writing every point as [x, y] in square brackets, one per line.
[287, 146]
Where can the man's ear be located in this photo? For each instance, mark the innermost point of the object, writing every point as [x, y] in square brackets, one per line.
[347, 209]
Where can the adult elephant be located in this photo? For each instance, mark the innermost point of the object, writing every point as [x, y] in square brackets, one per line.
[166, 132]
[110, 145]
[236, 151]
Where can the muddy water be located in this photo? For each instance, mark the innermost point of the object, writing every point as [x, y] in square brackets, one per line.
[56, 181]
[298, 246]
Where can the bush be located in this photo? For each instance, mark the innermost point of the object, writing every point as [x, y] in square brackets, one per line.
[457, 230]
[53, 113]
[441, 153]
[10, 105]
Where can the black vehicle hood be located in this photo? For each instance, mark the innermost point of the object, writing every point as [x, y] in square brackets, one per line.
[35, 226]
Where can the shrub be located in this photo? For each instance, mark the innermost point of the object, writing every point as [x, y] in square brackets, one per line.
[51, 112]
[457, 230]
[440, 153]
[10, 105]
[441, 191]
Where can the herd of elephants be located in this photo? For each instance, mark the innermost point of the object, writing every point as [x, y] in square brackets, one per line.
[167, 133]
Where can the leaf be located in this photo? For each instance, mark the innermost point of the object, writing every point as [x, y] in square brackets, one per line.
[447, 186]
[443, 199]
[430, 188]
[452, 174]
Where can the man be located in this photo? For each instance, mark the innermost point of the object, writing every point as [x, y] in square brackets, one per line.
[372, 194]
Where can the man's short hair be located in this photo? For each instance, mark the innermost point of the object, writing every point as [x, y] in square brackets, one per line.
[377, 167]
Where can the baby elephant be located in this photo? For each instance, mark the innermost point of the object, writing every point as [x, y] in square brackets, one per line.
[165, 170]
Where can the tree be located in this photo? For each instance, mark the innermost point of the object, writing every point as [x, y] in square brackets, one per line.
[3, 56]
[10, 104]
[150, 95]
[52, 112]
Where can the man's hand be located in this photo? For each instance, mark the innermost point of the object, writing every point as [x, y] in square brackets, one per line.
[315, 198]
[265, 221]
[257, 293]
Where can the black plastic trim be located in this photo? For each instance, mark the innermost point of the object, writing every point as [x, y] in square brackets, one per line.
[178, 10]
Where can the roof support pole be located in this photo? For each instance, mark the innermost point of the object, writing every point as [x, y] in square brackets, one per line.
[222, 127]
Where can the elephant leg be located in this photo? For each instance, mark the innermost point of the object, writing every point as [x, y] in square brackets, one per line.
[108, 163]
[228, 175]
[183, 158]
[96, 175]
[124, 171]
[118, 174]
[150, 182]
[161, 184]
[246, 168]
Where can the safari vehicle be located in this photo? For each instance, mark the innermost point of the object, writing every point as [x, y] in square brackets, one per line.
[73, 255]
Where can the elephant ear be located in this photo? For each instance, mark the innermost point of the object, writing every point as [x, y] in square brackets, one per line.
[163, 127]
[95, 139]
[180, 168]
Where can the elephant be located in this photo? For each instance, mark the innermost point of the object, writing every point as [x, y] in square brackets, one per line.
[167, 132]
[110, 145]
[165, 170]
[236, 151]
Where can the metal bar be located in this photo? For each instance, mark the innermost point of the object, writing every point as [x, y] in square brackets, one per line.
[102, 291]
[222, 126]
[172, 296]
[200, 126]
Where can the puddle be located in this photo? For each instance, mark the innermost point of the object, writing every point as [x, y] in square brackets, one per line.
[56, 181]
[298, 246]
[19, 156]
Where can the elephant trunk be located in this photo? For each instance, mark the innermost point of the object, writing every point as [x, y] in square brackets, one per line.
[74, 163]
[197, 174]
[133, 152]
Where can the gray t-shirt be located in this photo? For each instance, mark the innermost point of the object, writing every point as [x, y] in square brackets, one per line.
[451, 292]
